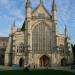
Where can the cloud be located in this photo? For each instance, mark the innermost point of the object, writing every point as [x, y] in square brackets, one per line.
[11, 10]
[4, 2]
[17, 13]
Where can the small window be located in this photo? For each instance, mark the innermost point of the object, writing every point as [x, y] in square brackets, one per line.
[17, 50]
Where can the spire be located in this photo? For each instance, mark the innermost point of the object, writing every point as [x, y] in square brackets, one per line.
[65, 31]
[54, 6]
[28, 9]
[54, 15]
[28, 4]
[65, 41]
[14, 24]
[41, 1]
[13, 28]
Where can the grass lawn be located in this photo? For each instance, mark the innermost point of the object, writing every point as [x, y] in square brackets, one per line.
[36, 72]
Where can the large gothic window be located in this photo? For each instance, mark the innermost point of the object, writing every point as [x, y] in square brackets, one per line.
[20, 48]
[41, 38]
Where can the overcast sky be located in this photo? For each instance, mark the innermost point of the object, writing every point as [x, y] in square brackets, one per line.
[11, 10]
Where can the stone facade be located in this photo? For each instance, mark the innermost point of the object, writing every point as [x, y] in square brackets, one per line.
[38, 41]
[3, 45]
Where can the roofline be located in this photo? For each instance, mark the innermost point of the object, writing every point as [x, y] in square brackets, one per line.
[43, 7]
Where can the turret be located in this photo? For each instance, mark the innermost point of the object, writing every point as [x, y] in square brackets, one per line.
[13, 28]
[67, 47]
[28, 9]
[9, 49]
[27, 32]
[65, 36]
[41, 2]
[65, 41]
[54, 15]
[54, 28]
[65, 31]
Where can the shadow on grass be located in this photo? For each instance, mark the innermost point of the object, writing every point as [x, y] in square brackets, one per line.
[36, 72]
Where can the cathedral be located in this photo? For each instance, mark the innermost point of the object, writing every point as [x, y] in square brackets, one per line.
[38, 41]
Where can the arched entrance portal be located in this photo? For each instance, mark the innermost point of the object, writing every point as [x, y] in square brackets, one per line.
[44, 61]
[63, 62]
[1, 59]
[21, 62]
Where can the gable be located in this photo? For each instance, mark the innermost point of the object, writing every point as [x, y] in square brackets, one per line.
[41, 11]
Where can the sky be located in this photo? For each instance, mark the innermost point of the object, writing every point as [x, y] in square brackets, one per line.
[14, 10]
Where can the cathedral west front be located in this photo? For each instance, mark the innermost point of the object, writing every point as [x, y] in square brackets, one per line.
[38, 41]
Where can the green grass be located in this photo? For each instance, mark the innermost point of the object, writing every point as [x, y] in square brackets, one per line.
[36, 72]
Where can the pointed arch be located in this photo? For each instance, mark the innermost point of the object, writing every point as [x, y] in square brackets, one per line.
[44, 61]
[21, 62]
[41, 37]
[63, 62]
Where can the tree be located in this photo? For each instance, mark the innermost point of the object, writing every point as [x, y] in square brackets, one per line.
[73, 49]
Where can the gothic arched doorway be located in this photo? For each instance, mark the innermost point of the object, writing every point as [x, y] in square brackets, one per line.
[21, 62]
[1, 59]
[63, 62]
[44, 61]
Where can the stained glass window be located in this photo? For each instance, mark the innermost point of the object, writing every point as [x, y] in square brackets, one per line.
[41, 38]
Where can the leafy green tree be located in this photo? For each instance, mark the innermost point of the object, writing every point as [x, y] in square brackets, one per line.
[73, 48]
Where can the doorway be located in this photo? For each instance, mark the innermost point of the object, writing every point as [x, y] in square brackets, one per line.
[21, 62]
[44, 61]
[63, 62]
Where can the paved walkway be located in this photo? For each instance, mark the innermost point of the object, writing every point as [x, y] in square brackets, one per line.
[56, 68]
[64, 68]
[60, 68]
[5, 68]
